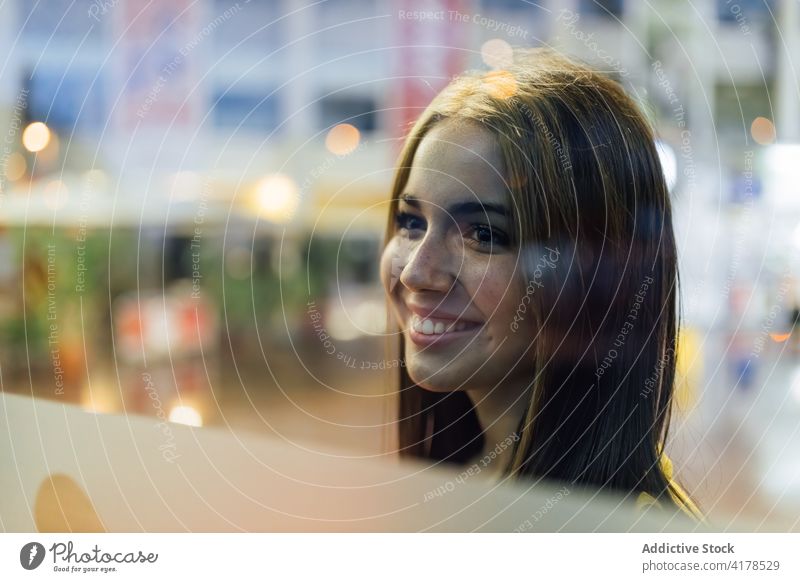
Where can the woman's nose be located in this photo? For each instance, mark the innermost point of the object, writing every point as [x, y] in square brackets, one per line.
[428, 266]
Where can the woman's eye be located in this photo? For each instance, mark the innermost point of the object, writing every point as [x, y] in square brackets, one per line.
[409, 221]
[488, 237]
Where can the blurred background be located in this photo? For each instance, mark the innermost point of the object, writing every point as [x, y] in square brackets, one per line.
[193, 196]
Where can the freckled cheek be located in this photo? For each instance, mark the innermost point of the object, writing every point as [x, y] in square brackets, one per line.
[494, 291]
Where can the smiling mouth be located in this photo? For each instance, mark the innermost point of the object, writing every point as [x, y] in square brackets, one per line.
[431, 327]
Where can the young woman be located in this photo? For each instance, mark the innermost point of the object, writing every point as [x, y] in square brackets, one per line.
[530, 266]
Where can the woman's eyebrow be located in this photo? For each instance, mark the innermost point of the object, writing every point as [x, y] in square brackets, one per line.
[462, 208]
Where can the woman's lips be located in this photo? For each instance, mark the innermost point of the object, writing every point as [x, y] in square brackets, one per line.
[428, 331]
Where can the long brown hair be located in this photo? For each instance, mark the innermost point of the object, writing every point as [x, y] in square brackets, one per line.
[586, 182]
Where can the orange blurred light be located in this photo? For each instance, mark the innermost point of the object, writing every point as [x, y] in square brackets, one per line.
[16, 166]
[762, 130]
[342, 139]
[780, 337]
[500, 84]
[185, 415]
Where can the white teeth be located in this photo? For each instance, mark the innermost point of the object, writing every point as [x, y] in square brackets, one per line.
[429, 327]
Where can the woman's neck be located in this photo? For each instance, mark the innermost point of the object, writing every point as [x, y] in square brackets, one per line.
[499, 412]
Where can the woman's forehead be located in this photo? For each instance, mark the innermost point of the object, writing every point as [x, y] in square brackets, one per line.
[458, 159]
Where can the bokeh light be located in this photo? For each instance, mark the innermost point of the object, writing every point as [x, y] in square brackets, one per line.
[238, 262]
[185, 415]
[36, 137]
[763, 131]
[500, 84]
[342, 139]
[55, 194]
[497, 53]
[278, 198]
[16, 166]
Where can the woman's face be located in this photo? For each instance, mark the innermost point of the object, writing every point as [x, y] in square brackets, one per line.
[450, 271]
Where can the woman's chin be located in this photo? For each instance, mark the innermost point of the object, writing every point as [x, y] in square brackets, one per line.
[438, 388]
[436, 380]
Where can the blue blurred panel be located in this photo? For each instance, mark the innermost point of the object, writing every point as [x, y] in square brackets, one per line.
[247, 27]
[604, 8]
[64, 20]
[353, 29]
[514, 6]
[356, 110]
[732, 11]
[68, 99]
[245, 111]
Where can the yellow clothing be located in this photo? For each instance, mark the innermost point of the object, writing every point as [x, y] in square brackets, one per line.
[679, 496]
